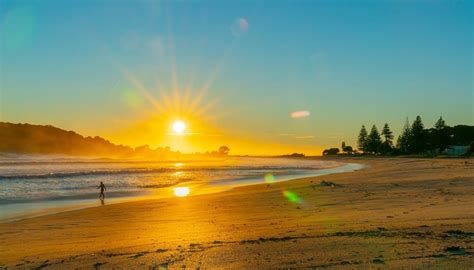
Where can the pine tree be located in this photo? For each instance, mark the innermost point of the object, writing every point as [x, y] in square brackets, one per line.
[343, 145]
[440, 124]
[439, 136]
[387, 145]
[388, 135]
[417, 141]
[373, 140]
[362, 140]
[403, 141]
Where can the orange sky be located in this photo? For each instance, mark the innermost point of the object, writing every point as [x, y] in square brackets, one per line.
[201, 137]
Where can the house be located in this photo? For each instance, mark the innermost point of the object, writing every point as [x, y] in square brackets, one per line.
[456, 150]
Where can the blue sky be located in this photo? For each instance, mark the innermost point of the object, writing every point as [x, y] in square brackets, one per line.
[346, 62]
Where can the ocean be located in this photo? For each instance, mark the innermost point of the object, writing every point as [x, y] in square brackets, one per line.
[43, 184]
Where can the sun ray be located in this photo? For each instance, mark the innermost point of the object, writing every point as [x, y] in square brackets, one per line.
[206, 107]
[132, 79]
[187, 89]
[172, 102]
[212, 77]
[173, 69]
[139, 86]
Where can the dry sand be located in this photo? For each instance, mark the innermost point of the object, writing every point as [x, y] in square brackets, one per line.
[395, 213]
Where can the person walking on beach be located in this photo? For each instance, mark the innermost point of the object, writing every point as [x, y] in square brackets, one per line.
[102, 189]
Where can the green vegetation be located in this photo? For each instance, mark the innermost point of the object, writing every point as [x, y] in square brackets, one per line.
[362, 141]
[414, 139]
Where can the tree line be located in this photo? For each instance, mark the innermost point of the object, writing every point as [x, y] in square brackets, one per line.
[37, 139]
[413, 139]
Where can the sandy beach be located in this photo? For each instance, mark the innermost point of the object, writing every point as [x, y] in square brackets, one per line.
[395, 213]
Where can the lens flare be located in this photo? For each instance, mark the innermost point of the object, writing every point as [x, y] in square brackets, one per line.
[239, 27]
[132, 99]
[181, 191]
[291, 196]
[269, 178]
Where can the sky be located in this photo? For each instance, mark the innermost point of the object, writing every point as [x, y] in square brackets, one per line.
[263, 77]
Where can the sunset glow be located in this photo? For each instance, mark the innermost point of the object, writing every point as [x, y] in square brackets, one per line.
[238, 134]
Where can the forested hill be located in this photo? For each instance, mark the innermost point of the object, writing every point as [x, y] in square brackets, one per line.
[36, 139]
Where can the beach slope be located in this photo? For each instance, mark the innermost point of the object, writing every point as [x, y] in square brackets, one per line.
[399, 212]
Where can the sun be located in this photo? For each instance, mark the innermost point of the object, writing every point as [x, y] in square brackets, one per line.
[179, 126]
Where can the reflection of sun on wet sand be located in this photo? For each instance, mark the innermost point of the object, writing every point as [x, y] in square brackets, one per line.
[181, 191]
[395, 212]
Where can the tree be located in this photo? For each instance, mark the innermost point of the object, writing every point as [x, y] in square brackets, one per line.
[296, 155]
[403, 141]
[440, 124]
[348, 149]
[373, 140]
[461, 135]
[438, 136]
[387, 145]
[387, 134]
[331, 151]
[343, 145]
[417, 141]
[224, 150]
[362, 140]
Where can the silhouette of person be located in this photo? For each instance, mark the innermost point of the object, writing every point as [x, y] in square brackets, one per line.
[102, 189]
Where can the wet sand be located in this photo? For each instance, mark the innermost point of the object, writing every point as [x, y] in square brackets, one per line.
[412, 213]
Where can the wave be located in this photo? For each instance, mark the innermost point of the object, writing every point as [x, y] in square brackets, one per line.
[81, 173]
[148, 171]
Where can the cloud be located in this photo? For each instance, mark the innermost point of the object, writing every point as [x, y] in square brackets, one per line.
[304, 137]
[295, 136]
[300, 114]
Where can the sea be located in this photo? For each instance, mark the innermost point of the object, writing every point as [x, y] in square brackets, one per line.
[32, 185]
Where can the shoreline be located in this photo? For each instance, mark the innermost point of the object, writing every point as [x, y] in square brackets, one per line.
[33, 209]
[407, 213]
